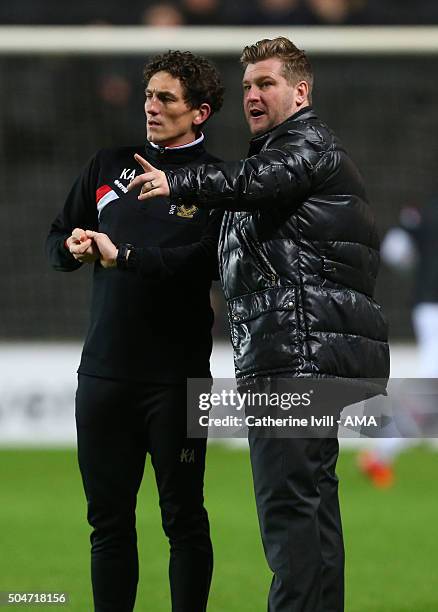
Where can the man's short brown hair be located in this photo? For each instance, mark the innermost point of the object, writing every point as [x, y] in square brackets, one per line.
[200, 79]
[296, 65]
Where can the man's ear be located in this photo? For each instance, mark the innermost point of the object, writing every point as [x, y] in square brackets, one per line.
[202, 114]
[301, 93]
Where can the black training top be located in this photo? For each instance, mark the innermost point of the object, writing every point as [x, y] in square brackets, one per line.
[151, 322]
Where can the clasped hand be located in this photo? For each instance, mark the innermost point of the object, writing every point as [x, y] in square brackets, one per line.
[87, 246]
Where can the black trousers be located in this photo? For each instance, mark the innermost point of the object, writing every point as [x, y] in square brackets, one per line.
[296, 491]
[118, 423]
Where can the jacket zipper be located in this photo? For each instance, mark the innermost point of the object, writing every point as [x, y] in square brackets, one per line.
[263, 262]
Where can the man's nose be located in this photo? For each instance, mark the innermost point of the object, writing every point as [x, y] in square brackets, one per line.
[151, 107]
[252, 94]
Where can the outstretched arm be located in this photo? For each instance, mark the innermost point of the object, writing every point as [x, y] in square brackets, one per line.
[280, 176]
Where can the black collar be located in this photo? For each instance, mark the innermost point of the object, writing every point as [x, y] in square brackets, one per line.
[177, 157]
[257, 142]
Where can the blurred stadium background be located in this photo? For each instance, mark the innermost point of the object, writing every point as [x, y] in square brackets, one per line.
[68, 92]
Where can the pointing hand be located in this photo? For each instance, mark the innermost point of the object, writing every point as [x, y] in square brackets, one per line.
[153, 182]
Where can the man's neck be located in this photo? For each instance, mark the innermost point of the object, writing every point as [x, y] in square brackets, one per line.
[183, 146]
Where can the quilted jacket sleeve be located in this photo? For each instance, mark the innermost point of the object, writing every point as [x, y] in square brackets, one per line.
[278, 176]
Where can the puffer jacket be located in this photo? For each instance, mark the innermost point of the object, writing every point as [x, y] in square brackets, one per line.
[299, 254]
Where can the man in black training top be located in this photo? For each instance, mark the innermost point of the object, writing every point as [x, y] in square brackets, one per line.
[150, 330]
[299, 255]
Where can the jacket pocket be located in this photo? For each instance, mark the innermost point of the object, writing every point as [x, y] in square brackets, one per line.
[264, 331]
[261, 262]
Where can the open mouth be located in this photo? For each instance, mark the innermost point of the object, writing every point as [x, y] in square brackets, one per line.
[153, 124]
[255, 112]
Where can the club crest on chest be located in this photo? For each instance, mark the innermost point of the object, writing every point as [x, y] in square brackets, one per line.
[186, 212]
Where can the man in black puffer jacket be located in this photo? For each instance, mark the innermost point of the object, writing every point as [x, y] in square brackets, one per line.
[299, 258]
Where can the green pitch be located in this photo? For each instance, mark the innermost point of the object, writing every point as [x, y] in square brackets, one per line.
[391, 536]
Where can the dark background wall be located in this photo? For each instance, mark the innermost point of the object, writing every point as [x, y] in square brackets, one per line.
[55, 112]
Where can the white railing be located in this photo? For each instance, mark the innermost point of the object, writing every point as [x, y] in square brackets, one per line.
[102, 40]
